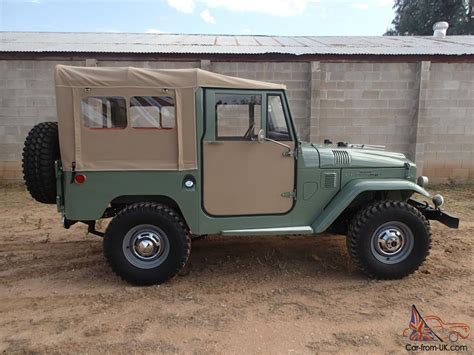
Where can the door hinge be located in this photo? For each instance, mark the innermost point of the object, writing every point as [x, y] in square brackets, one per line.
[289, 194]
[407, 170]
[290, 153]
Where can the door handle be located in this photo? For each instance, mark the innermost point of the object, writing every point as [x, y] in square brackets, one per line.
[214, 142]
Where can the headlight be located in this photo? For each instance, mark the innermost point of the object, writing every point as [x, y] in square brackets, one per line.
[438, 200]
[422, 181]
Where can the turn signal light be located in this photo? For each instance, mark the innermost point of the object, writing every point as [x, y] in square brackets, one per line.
[79, 179]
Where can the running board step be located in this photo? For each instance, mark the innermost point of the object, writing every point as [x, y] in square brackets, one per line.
[270, 231]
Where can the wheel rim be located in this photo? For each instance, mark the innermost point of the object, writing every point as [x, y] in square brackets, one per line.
[146, 246]
[392, 242]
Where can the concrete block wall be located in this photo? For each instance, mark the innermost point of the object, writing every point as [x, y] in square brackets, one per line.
[422, 109]
[372, 103]
[445, 139]
[26, 98]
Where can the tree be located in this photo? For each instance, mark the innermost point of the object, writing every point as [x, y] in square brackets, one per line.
[417, 17]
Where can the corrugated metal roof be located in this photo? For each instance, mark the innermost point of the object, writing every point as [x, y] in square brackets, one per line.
[45, 42]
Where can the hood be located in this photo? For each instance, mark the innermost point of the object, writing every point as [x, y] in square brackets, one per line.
[359, 158]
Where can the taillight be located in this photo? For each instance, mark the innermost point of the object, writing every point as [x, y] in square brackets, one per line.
[79, 179]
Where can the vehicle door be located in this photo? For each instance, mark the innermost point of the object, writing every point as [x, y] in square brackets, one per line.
[242, 176]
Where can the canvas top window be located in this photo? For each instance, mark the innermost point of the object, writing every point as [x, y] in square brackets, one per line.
[152, 112]
[104, 112]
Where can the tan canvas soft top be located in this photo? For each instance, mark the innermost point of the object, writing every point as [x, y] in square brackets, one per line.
[130, 148]
[68, 76]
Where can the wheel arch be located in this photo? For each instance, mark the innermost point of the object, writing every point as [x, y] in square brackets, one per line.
[391, 188]
[129, 199]
[122, 201]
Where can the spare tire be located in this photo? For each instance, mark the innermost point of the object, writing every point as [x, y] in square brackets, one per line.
[40, 152]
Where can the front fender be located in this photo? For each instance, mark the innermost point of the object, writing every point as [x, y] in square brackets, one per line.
[353, 189]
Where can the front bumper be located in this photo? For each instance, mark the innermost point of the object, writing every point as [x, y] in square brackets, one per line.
[435, 213]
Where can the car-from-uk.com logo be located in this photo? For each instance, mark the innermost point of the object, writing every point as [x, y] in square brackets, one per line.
[438, 334]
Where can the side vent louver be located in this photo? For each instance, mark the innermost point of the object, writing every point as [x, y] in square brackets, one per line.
[329, 180]
[341, 157]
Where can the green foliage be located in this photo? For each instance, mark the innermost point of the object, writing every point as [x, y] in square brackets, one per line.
[417, 17]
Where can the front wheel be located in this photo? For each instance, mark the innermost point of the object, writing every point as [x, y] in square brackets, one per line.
[389, 240]
[147, 243]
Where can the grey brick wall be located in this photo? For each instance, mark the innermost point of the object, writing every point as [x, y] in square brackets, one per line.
[26, 98]
[422, 109]
[446, 121]
[373, 103]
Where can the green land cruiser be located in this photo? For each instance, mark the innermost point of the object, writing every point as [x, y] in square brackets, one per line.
[175, 154]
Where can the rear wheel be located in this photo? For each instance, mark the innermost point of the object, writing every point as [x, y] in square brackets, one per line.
[389, 240]
[147, 243]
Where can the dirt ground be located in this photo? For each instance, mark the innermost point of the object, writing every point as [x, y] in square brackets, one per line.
[288, 295]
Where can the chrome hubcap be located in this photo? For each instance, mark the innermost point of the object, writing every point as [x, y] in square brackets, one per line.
[392, 242]
[146, 246]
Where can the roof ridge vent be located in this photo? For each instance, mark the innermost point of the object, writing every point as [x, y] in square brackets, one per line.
[440, 28]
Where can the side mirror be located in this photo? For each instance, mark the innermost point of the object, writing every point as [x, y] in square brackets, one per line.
[261, 136]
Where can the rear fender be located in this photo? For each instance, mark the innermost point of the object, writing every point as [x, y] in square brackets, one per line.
[353, 189]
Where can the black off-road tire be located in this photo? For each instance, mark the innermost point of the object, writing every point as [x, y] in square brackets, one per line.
[40, 151]
[133, 222]
[364, 230]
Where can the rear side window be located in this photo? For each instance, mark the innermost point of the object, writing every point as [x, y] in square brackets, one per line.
[102, 112]
[237, 116]
[152, 112]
